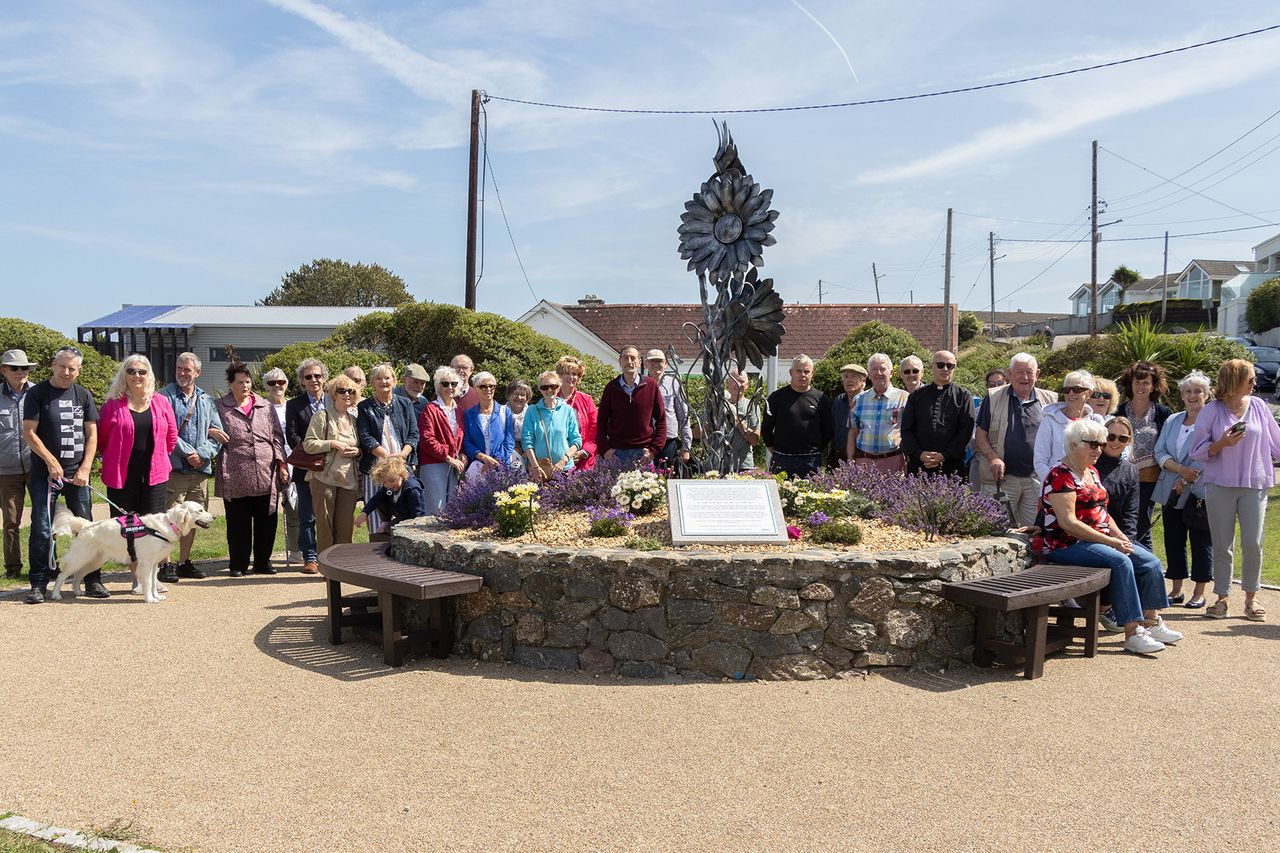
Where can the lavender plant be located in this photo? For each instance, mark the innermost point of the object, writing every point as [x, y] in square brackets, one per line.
[473, 504]
[943, 506]
[578, 490]
[610, 520]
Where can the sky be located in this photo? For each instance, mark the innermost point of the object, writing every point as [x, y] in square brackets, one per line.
[162, 151]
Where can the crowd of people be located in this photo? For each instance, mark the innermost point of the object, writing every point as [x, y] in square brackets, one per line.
[1081, 474]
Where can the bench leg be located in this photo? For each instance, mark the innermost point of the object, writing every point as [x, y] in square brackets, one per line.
[335, 612]
[442, 612]
[1091, 606]
[983, 631]
[392, 645]
[1037, 632]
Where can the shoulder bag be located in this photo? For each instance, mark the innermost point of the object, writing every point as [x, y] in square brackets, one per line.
[300, 458]
[547, 467]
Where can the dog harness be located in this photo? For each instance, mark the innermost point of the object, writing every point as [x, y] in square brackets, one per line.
[131, 528]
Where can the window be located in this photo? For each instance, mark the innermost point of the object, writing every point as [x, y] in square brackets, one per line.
[247, 354]
[1197, 285]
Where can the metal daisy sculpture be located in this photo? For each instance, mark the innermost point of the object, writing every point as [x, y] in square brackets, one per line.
[723, 232]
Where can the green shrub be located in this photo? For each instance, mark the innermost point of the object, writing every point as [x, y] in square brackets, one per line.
[642, 543]
[841, 531]
[859, 345]
[1262, 311]
[969, 327]
[41, 342]
[432, 334]
[974, 362]
[335, 357]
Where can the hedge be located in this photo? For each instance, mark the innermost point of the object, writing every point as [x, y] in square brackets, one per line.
[41, 342]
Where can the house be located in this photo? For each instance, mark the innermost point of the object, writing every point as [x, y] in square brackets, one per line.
[601, 329]
[1234, 292]
[160, 332]
[1111, 294]
[1204, 279]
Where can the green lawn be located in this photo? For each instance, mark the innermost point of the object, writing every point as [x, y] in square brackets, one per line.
[1270, 541]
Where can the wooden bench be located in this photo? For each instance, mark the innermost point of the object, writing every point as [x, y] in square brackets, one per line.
[1036, 590]
[369, 567]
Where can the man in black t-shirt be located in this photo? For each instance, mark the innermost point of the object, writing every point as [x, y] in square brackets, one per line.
[797, 423]
[60, 425]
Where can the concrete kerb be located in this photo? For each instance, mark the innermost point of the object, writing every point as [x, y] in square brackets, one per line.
[68, 837]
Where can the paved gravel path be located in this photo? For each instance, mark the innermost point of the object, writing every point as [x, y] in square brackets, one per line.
[222, 720]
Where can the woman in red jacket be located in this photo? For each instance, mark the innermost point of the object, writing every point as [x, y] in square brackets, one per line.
[440, 428]
[136, 433]
[570, 370]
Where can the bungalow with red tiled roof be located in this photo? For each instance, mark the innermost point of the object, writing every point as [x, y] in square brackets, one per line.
[602, 330]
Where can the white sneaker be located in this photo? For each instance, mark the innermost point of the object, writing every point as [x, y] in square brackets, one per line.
[137, 588]
[1163, 633]
[1142, 643]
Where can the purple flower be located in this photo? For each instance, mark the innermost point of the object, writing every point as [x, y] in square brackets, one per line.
[817, 519]
[610, 512]
[472, 504]
[582, 489]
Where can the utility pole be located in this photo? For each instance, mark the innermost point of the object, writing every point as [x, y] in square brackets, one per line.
[991, 265]
[1164, 281]
[875, 276]
[1093, 249]
[473, 198]
[819, 291]
[946, 291]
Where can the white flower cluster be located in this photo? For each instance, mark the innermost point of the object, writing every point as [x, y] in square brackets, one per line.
[639, 491]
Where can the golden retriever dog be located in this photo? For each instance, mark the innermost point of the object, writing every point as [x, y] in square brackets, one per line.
[96, 542]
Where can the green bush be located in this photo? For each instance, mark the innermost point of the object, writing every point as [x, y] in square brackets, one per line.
[859, 345]
[1262, 311]
[969, 327]
[41, 342]
[432, 334]
[841, 531]
[974, 362]
[642, 543]
[335, 357]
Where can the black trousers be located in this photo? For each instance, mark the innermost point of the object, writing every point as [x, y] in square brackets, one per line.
[137, 497]
[251, 528]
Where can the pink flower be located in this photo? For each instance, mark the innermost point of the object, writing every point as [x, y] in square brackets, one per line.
[793, 532]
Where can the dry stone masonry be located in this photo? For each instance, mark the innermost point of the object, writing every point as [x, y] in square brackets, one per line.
[805, 614]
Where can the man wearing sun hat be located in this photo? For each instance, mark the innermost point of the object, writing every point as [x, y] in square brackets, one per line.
[679, 430]
[15, 455]
[853, 379]
[416, 380]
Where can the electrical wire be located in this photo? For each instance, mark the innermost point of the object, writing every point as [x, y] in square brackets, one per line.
[1028, 283]
[1152, 237]
[899, 98]
[488, 170]
[1176, 184]
[1147, 210]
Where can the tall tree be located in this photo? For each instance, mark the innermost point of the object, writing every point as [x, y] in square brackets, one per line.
[1126, 278]
[329, 282]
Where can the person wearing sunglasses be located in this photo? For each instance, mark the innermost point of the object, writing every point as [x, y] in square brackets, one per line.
[1049, 447]
[277, 385]
[1005, 437]
[336, 488]
[387, 426]
[550, 435]
[1143, 384]
[1105, 397]
[570, 369]
[15, 456]
[137, 434]
[60, 425]
[200, 438]
[488, 437]
[1180, 487]
[937, 422]
[911, 371]
[312, 375]
[875, 436]
[1238, 440]
[1079, 531]
[440, 433]
[251, 472]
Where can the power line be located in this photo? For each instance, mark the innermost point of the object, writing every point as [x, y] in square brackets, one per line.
[899, 98]
[1069, 250]
[1176, 184]
[925, 258]
[1152, 237]
[498, 194]
[1156, 201]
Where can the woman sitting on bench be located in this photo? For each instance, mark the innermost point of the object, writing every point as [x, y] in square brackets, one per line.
[1079, 532]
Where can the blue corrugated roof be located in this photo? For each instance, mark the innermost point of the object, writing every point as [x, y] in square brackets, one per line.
[135, 316]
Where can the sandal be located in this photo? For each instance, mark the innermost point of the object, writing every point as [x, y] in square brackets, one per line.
[1194, 603]
[1255, 613]
[1218, 610]
[1176, 599]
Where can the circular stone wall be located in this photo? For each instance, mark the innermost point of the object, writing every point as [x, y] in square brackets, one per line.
[800, 615]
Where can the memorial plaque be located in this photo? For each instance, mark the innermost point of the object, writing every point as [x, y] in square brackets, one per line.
[725, 512]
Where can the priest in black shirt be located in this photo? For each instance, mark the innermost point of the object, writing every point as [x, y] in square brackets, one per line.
[797, 423]
[937, 422]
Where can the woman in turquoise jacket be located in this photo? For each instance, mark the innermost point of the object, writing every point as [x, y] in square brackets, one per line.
[550, 436]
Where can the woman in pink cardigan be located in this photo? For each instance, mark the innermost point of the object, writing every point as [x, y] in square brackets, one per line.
[136, 433]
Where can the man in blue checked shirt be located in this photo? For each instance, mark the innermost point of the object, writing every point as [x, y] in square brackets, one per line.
[875, 436]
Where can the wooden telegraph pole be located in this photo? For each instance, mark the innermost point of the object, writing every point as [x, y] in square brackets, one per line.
[991, 265]
[1093, 249]
[876, 276]
[473, 200]
[1164, 281]
[946, 291]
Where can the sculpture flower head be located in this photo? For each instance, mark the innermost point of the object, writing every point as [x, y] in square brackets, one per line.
[726, 226]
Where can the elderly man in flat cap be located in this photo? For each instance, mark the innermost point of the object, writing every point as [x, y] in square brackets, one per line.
[15, 456]
[416, 380]
[853, 379]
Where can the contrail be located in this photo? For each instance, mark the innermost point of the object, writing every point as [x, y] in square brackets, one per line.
[830, 36]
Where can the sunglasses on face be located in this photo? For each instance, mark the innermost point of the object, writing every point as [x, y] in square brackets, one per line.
[909, 371]
[71, 350]
[1123, 439]
[942, 365]
[548, 387]
[274, 382]
[486, 387]
[312, 377]
[136, 371]
[345, 391]
[1100, 395]
[1075, 389]
[1096, 445]
[23, 369]
[447, 384]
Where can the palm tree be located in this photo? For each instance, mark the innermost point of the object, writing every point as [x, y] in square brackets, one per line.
[1125, 278]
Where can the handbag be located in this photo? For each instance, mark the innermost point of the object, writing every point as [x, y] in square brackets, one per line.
[300, 458]
[1195, 515]
[546, 466]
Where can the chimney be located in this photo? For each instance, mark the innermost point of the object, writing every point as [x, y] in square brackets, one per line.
[590, 301]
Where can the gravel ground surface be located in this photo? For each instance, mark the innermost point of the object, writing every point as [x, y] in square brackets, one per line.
[222, 720]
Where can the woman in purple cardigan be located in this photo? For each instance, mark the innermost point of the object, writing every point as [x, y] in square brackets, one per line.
[250, 468]
[1238, 441]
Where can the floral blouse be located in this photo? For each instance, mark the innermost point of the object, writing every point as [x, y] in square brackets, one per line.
[1091, 506]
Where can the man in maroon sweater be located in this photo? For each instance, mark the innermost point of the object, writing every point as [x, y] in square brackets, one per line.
[631, 424]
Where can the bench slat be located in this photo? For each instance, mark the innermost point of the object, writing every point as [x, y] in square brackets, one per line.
[368, 566]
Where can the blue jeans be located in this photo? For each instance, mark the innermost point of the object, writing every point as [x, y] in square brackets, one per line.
[77, 498]
[795, 465]
[1137, 579]
[439, 482]
[306, 522]
[628, 455]
[1176, 535]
